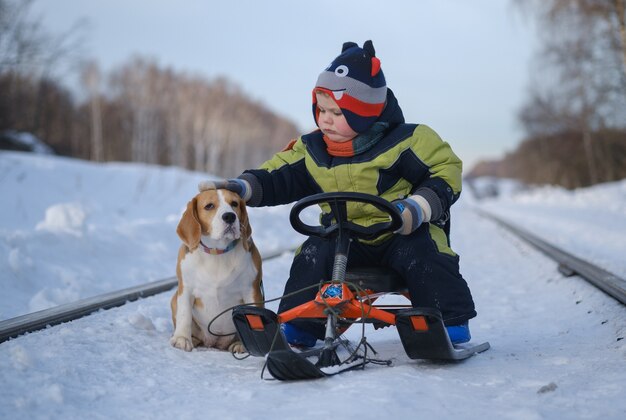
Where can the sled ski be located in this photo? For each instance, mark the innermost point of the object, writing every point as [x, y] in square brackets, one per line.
[260, 333]
[421, 331]
[259, 330]
[287, 365]
[424, 336]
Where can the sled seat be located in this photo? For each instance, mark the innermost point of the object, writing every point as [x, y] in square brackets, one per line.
[376, 278]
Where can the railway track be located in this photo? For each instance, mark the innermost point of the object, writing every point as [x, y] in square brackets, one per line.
[14, 327]
[568, 265]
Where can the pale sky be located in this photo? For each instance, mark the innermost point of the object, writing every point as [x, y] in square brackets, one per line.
[462, 67]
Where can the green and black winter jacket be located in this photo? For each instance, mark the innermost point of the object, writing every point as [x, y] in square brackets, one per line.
[409, 159]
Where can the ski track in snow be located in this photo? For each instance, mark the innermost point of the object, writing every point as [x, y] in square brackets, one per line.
[545, 330]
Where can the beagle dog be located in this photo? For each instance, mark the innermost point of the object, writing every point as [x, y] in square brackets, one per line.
[218, 267]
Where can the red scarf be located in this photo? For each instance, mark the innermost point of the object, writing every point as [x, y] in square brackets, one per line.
[359, 144]
[339, 149]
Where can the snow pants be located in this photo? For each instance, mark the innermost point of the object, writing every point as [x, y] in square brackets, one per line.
[431, 277]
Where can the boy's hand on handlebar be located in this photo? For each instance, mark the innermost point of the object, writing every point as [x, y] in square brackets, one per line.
[236, 185]
[412, 215]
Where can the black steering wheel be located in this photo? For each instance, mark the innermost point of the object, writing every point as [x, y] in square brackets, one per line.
[337, 202]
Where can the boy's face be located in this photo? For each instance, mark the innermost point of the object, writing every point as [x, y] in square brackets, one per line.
[332, 121]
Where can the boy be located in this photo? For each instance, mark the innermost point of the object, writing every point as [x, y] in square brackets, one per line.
[363, 145]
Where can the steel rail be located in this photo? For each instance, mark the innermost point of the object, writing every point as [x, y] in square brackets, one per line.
[14, 327]
[569, 265]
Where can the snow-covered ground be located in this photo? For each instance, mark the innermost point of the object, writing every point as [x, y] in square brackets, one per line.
[589, 222]
[70, 229]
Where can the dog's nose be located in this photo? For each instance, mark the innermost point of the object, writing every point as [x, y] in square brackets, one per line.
[229, 217]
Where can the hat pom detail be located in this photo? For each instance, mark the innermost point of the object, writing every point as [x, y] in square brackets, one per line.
[348, 45]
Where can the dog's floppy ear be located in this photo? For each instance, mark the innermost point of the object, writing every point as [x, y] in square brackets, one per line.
[189, 229]
[244, 224]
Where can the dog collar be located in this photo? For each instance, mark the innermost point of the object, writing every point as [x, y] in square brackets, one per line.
[219, 251]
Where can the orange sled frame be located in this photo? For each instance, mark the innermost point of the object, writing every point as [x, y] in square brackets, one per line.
[347, 299]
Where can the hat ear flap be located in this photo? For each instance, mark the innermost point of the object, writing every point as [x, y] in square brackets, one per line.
[368, 46]
[347, 45]
[375, 66]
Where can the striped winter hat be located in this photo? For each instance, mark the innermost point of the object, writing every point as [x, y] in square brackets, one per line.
[356, 83]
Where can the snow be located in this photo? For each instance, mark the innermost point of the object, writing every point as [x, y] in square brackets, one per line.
[64, 218]
[73, 229]
[590, 223]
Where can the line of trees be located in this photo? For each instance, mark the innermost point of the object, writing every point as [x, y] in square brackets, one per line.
[561, 159]
[575, 113]
[141, 111]
[156, 115]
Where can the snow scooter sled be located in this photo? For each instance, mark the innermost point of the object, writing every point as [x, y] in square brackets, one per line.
[347, 298]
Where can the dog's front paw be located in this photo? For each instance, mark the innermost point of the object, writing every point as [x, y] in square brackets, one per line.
[237, 347]
[181, 343]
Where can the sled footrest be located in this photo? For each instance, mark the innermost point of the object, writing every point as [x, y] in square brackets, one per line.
[424, 336]
[259, 330]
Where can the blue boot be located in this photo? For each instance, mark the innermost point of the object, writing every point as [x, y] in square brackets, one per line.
[459, 333]
[297, 337]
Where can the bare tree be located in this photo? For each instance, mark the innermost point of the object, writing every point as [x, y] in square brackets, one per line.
[92, 80]
[30, 60]
[139, 86]
[581, 88]
[22, 43]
